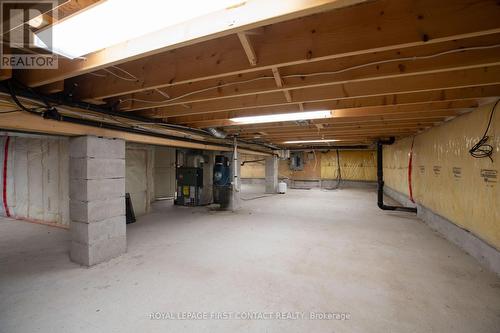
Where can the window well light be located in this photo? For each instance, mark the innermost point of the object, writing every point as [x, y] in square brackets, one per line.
[311, 141]
[115, 21]
[272, 118]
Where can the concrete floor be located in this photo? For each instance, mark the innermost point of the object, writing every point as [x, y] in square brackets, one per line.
[308, 250]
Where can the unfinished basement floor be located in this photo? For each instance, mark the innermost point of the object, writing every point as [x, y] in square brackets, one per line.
[308, 250]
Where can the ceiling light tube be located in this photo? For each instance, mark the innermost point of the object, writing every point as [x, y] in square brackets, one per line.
[311, 141]
[272, 118]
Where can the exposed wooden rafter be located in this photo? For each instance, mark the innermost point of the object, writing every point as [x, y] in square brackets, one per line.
[385, 67]
[305, 40]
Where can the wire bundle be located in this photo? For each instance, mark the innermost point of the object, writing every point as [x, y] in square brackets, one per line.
[483, 149]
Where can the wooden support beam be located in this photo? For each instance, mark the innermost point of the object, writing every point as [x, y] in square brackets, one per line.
[248, 48]
[408, 84]
[27, 122]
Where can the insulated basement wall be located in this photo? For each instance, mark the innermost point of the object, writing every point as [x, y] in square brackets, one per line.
[357, 165]
[37, 179]
[446, 179]
[354, 165]
[139, 170]
[254, 169]
[164, 172]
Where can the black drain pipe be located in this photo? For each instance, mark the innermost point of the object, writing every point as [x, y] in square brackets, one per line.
[380, 180]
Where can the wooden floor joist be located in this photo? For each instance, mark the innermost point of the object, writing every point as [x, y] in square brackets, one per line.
[246, 16]
[384, 67]
[450, 95]
[303, 77]
[474, 77]
[313, 38]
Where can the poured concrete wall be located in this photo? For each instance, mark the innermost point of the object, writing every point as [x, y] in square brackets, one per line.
[37, 182]
[354, 165]
[446, 179]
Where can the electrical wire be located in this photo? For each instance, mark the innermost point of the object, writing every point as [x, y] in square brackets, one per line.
[97, 74]
[125, 72]
[10, 111]
[21, 105]
[483, 149]
[119, 76]
[380, 62]
[197, 91]
[339, 174]
[134, 78]
[315, 160]
[108, 117]
[253, 161]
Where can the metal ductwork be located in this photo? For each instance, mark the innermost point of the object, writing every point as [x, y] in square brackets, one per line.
[217, 133]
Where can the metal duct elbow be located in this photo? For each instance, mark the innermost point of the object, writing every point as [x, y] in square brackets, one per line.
[217, 133]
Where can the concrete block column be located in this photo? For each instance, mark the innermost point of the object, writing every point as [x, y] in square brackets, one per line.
[97, 199]
[271, 174]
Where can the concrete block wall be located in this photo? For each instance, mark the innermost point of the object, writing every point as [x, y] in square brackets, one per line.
[97, 199]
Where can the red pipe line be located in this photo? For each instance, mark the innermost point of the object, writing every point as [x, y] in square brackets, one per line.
[5, 161]
[35, 221]
[410, 161]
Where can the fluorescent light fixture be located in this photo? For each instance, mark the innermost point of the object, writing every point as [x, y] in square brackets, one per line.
[311, 141]
[272, 118]
[115, 21]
